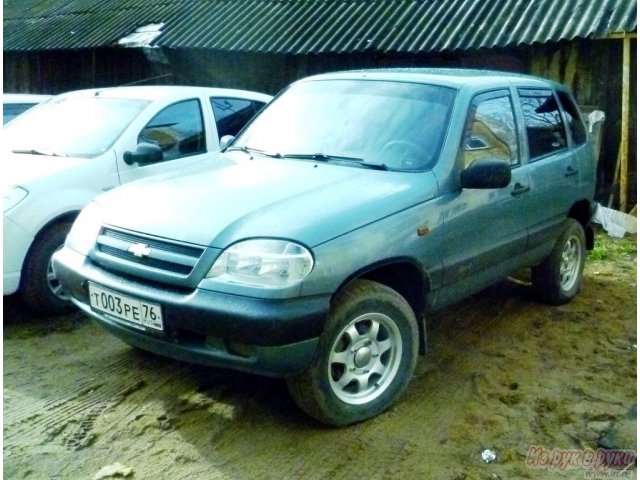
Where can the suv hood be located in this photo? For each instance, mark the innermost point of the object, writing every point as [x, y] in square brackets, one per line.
[231, 198]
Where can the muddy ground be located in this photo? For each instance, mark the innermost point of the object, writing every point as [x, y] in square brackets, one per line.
[503, 373]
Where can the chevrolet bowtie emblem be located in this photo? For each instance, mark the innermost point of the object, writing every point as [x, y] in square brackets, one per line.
[139, 250]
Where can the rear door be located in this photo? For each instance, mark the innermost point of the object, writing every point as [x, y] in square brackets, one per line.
[553, 166]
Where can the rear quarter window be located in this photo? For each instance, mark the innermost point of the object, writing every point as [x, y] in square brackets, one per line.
[576, 127]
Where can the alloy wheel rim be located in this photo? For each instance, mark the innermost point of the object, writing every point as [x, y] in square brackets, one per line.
[570, 263]
[365, 358]
[53, 283]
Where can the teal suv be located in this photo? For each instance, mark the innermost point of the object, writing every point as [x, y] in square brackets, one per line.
[354, 205]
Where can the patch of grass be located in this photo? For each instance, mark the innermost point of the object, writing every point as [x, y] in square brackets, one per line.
[610, 249]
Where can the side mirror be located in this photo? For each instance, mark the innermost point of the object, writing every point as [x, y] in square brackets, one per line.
[226, 141]
[486, 173]
[144, 154]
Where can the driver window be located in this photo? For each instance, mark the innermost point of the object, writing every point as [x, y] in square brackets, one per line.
[491, 130]
[178, 130]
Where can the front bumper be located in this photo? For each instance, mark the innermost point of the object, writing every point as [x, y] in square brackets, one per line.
[16, 242]
[269, 337]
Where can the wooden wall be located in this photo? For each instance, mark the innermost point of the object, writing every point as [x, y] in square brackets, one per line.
[56, 71]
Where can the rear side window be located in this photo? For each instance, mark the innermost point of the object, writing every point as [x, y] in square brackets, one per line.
[233, 113]
[576, 127]
[178, 130]
[543, 121]
[491, 130]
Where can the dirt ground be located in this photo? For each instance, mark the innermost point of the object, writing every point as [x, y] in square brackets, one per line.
[503, 375]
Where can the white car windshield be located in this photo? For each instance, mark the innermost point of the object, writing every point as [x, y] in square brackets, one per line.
[72, 126]
[385, 124]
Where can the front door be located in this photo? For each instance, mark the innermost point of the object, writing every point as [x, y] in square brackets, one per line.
[485, 230]
[178, 130]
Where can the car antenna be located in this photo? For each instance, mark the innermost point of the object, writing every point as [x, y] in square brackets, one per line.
[97, 94]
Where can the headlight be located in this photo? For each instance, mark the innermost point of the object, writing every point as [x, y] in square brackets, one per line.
[265, 263]
[85, 229]
[12, 197]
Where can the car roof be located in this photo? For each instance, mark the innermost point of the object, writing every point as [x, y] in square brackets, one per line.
[156, 92]
[8, 98]
[451, 77]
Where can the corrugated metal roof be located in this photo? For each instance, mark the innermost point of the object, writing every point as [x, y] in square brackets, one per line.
[53, 25]
[314, 26]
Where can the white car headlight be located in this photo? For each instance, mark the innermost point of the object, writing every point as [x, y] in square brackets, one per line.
[85, 229]
[266, 263]
[12, 197]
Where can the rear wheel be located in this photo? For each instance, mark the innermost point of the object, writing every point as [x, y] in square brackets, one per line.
[366, 356]
[558, 278]
[40, 289]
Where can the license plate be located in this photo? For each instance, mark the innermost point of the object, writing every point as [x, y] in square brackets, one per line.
[125, 307]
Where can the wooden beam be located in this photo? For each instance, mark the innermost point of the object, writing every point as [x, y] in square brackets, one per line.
[624, 133]
[619, 35]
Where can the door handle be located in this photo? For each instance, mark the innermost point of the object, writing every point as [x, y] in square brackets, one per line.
[570, 171]
[519, 189]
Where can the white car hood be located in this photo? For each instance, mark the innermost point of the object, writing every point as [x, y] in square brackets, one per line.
[20, 169]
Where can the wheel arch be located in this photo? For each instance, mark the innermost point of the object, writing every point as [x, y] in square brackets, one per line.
[63, 218]
[39, 289]
[582, 211]
[407, 278]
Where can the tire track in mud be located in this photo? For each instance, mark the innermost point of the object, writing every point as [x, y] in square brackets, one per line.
[312, 453]
[66, 415]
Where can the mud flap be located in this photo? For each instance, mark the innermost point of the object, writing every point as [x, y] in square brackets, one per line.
[422, 333]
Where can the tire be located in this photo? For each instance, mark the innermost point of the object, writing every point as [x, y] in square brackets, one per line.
[365, 359]
[39, 288]
[557, 280]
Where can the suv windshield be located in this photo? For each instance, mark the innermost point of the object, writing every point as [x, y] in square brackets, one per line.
[72, 126]
[397, 125]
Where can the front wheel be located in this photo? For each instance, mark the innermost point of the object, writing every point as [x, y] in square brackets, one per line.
[39, 287]
[558, 278]
[366, 356]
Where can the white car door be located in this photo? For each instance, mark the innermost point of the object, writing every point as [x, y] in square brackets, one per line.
[179, 130]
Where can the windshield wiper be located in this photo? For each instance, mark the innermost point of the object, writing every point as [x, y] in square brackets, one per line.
[323, 157]
[250, 150]
[34, 151]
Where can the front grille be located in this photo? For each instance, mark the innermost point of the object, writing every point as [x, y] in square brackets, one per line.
[148, 262]
[153, 243]
[157, 254]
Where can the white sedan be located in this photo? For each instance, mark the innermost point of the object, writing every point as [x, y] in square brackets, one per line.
[79, 144]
